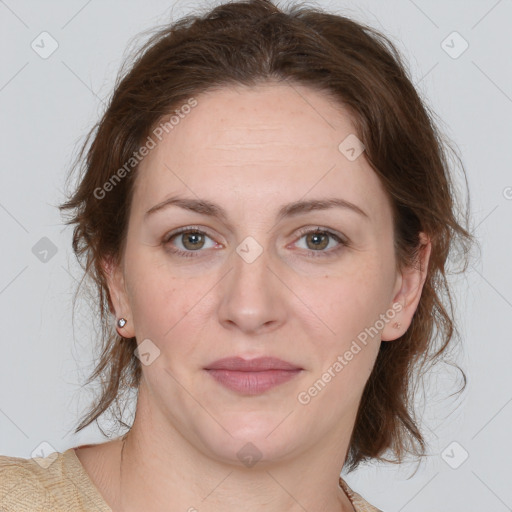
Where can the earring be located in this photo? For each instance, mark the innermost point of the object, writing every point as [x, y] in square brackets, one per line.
[121, 322]
[397, 325]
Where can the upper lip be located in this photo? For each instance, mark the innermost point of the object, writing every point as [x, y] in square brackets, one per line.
[258, 364]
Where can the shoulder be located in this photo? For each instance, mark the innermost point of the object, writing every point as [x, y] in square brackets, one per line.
[55, 482]
[22, 485]
[359, 503]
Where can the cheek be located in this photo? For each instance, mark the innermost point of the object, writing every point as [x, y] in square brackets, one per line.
[350, 307]
[158, 299]
[170, 310]
[159, 307]
[346, 304]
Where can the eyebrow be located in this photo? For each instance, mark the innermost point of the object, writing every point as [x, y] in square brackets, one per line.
[210, 209]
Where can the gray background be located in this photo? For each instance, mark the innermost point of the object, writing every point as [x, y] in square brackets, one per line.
[48, 105]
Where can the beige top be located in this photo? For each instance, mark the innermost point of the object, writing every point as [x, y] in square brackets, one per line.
[59, 483]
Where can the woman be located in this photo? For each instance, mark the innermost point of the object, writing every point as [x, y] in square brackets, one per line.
[266, 210]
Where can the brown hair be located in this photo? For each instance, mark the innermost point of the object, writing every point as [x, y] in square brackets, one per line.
[249, 43]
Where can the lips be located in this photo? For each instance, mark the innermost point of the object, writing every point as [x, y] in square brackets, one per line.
[253, 376]
[259, 364]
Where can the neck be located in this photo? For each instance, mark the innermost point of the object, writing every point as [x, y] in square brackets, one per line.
[160, 470]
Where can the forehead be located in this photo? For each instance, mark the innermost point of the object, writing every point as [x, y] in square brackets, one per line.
[251, 119]
[262, 143]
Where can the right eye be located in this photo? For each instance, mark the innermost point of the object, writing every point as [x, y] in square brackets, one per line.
[191, 238]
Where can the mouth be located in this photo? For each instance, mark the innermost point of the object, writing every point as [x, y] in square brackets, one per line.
[252, 376]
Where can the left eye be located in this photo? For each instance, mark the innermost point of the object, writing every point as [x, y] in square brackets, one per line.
[319, 239]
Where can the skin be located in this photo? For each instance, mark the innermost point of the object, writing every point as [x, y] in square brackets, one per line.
[251, 150]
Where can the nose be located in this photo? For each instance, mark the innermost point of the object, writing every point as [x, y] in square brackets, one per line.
[252, 296]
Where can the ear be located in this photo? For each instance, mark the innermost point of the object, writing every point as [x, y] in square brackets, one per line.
[407, 292]
[120, 305]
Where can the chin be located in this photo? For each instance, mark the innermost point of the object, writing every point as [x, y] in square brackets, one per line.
[261, 452]
[253, 439]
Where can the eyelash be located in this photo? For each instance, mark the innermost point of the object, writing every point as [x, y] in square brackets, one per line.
[306, 231]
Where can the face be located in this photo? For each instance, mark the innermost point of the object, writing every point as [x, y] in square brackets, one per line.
[292, 258]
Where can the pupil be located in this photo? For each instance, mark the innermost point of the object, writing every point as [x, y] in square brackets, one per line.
[193, 239]
[317, 240]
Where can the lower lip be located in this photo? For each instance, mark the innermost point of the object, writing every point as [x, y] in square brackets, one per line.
[252, 383]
